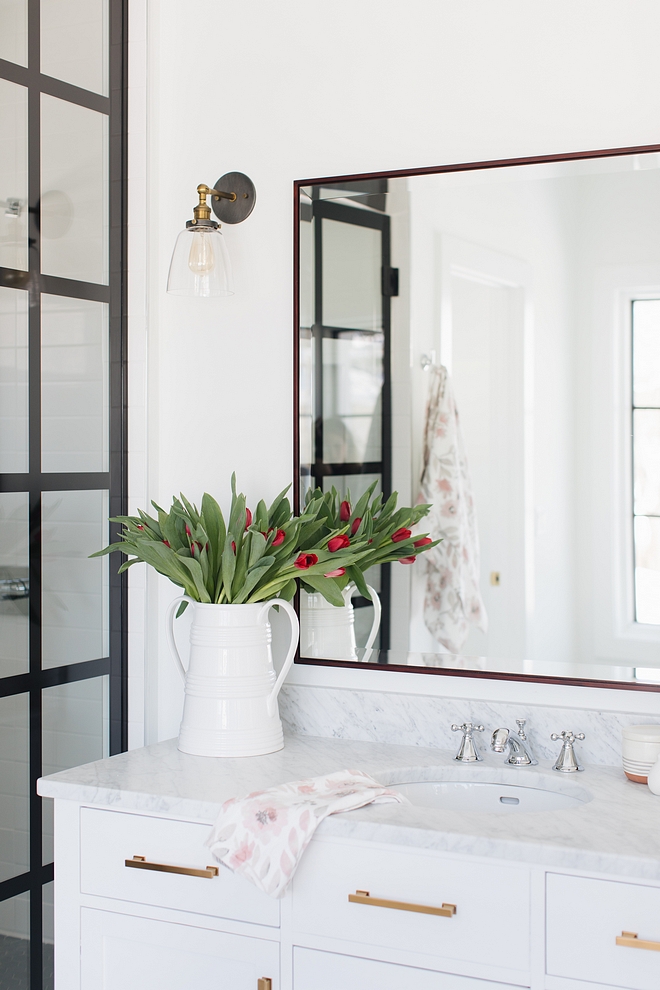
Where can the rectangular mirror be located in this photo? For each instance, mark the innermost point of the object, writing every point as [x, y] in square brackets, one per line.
[485, 338]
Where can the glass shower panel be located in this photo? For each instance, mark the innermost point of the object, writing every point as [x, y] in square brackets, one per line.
[352, 260]
[352, 391]
[14, 943]
[74, 42]
[13, 380]
[75, 588]
[75, 731]
[13, 31]
[14, 583]
[74, 191]
[14, 788]
[307, 274]
[306, 399]
[13, 176]
[74, 384]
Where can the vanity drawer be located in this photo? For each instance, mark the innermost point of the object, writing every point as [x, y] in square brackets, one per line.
[314, 970]
[585, 918]
[109, 838]
[491, 902]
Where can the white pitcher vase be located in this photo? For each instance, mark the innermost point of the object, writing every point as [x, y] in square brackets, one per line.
[230, 706]
[327, 632]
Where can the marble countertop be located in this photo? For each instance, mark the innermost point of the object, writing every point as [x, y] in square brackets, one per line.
[617, 831]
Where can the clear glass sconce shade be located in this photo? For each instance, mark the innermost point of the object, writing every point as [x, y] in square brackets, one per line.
[200, 264]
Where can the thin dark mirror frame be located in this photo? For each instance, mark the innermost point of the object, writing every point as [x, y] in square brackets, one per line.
[447, 664]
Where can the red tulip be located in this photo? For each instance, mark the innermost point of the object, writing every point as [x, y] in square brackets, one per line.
[306, 560]
[192, 548]
[356, 525]
[233, 546]
[188, 533]
[166, 542]
[280, 537]
[338, 543]
[401, 534]
[345, 511]
[140, 527]
[407, 560]
[424, 542]
[338, 573]
[248, 518]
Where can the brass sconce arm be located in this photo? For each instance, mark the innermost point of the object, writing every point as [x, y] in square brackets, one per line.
[233, 188]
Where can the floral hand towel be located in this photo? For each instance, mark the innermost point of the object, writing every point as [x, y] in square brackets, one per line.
[453, 600]
[264, 835]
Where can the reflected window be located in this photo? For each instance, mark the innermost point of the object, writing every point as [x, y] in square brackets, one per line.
[646, 457]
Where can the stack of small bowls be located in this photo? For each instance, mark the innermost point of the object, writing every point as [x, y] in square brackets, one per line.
[641, 748]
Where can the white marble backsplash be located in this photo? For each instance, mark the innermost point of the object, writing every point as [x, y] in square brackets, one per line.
[416, 720]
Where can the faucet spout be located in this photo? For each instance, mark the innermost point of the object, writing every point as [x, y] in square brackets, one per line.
[517, 744]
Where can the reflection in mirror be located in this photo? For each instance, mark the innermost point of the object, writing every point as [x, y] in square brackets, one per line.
[487, 340]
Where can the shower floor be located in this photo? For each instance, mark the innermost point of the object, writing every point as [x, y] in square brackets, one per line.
[15, 964]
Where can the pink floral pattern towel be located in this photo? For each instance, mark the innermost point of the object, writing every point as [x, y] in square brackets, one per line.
[264, 835]
[453, 600]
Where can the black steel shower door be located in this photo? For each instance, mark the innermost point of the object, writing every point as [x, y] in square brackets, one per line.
[62, 432]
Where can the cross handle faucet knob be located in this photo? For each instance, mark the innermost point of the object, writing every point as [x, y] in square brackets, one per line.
[468, 728]
[568, 736]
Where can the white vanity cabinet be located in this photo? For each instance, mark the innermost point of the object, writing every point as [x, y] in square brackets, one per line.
[139, 904]
[385, 898]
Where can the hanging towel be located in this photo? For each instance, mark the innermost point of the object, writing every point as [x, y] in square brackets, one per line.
[452, 601]
[264, 835]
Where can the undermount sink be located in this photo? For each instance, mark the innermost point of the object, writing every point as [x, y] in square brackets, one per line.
[493, 792]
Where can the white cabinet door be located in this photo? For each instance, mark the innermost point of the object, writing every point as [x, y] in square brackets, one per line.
[584, 920]
[122, 952]
[314, 970]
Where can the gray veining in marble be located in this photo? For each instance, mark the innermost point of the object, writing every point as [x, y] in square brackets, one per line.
[415, 720]
[617, 832]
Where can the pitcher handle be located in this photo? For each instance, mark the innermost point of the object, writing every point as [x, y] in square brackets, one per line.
[375, 625]
[169, 629]
[286, 666]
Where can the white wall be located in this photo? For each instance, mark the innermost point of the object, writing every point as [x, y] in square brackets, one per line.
[299, 89]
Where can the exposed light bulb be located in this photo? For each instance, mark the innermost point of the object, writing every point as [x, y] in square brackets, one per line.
[202, 256]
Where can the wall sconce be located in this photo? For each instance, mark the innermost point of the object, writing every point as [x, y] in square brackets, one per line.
[200, 263]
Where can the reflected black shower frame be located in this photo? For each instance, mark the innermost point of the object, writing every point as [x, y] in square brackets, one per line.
[114, 666]
[320, 468]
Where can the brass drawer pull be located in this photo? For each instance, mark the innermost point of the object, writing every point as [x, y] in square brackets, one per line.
[630, 941]
[364, 897]
[141, 863]
[265, 983]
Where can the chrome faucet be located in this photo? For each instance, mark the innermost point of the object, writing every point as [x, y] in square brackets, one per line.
[520, 753]
[467, 751]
